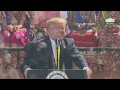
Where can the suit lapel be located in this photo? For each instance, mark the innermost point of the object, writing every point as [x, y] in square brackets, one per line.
[62, 54]
[51, 61]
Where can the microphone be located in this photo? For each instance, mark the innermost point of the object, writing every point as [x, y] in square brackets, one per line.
[58, 41]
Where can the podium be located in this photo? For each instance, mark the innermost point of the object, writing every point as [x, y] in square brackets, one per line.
[56, 74]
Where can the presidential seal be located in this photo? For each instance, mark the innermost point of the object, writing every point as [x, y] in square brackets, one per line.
[57, 75]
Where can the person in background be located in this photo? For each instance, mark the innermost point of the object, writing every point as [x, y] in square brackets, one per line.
[20, 37]
[81, 21]
[40, 34]
[7, 35]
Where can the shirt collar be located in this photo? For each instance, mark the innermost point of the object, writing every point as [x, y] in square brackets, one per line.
[52, 41]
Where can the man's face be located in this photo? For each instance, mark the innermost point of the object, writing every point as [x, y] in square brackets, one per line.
[57, 31]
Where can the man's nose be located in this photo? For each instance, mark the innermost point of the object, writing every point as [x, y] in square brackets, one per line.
[61, 30]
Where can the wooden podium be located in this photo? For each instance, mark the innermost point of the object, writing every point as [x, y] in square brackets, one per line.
[56, 74]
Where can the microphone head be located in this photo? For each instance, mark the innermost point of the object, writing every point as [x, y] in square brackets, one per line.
[57, 41]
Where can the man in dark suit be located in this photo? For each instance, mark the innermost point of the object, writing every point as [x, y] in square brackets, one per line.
[42, 54]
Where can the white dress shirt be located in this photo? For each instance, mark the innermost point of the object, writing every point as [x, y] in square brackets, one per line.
[54, 49]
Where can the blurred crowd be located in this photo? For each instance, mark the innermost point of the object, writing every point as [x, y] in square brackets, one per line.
[16, 36]
[13, 33]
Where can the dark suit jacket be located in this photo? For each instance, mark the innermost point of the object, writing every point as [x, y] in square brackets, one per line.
[40, 55]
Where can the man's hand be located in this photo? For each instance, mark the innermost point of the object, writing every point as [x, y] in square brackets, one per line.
[25, 72]
[89, 71]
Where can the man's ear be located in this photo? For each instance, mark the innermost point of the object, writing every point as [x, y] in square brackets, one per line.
[45, 31]
[48, 32]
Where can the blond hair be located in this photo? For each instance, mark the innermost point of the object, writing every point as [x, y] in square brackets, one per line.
[9, 26]
[55, 20]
